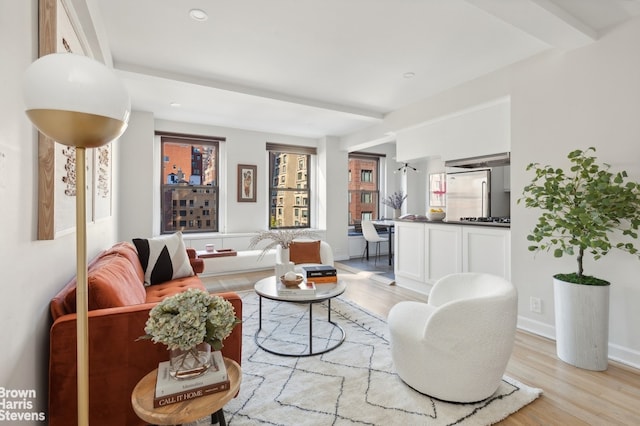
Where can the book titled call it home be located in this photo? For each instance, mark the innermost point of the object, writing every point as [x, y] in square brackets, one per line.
[171, 391]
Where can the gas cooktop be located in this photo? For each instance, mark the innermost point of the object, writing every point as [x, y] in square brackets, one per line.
[486, 219]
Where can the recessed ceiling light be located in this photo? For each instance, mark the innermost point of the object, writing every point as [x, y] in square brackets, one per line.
[198, 15]
[409, 74]
[175, 104]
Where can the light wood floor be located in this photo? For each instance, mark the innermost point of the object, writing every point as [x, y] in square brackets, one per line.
[571, 396]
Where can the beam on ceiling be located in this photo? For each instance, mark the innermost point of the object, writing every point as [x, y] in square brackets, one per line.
[542, 19]
[216, 84]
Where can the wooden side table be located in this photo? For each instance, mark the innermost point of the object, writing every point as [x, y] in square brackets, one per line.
[186, 411]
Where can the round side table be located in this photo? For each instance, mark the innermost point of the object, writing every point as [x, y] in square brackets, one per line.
[186, 411]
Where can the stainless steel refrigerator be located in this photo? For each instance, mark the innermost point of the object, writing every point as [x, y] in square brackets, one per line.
[468, 194]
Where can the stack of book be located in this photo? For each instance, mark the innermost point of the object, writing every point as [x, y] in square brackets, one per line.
[320, 274]
[171, 391]
[304, 289]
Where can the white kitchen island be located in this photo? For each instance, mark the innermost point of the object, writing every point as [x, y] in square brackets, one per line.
[427, 251]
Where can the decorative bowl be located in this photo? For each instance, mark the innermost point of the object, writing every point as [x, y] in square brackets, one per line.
[294, 283]
[436, 216]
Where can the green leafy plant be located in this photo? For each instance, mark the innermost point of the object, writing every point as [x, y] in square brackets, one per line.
[581, 209]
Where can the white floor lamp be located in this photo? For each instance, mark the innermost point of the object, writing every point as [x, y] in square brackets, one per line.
[78, 102]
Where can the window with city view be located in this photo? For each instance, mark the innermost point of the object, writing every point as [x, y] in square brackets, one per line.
[364, 192]
[189, 186]
[289, 189]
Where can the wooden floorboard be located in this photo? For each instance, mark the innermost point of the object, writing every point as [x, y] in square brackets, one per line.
[571, 396]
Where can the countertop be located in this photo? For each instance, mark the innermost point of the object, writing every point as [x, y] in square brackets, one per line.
[457, 222]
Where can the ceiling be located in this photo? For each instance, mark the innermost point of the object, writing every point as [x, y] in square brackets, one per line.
[323, 67]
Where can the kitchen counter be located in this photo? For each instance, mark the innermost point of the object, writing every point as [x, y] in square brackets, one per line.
[457, 222]
[425, 251]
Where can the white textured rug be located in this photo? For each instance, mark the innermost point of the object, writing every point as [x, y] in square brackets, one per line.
[352, 384]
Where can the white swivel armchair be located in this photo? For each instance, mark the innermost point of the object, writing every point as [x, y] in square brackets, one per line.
[456, 346]
[325, 255]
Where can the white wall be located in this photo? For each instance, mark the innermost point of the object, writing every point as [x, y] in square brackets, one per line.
[139, 158]
[560, 101]
[333, 175]
[136, 174]
[32, 271]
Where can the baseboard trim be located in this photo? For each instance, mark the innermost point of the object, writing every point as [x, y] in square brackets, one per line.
[617, 353]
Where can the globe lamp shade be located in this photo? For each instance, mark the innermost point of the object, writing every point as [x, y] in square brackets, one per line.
[75, 100]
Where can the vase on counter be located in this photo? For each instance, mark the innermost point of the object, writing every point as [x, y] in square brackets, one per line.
[397, 213]
[190, 363]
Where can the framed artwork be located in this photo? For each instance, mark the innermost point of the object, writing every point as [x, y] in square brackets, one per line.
[246, 183]
[59, 31]
[102, 158]
[437, 189]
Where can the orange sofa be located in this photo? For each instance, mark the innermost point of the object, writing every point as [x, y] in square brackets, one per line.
[119, 306]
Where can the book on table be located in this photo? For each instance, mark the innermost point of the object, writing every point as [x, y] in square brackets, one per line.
[304, 289]
[315, 271]
[170, 391]
[324, 280]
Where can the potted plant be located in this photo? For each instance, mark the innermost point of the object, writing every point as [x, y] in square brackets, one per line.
[280, 237]
[582, 209]
[395, 201]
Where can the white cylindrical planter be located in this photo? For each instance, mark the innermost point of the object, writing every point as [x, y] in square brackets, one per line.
[582, 324]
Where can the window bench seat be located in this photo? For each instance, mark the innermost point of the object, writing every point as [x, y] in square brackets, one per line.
[245, 260]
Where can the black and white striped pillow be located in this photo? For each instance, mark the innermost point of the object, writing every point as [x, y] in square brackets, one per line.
[163, 258]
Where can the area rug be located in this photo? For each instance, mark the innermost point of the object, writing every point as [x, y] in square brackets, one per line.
[352, 384]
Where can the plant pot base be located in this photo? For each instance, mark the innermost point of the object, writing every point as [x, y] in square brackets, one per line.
[582, 324]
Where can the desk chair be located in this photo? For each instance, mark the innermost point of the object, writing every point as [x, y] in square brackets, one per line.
[371, 236]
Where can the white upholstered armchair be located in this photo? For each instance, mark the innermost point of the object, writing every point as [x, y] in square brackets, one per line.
[456, 346]
[306, 252]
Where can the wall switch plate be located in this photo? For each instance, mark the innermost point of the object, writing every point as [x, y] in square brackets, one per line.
[535, 305]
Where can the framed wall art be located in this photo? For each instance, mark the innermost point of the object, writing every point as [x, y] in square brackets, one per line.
[246, 183]
[102, 158]
[437, 189]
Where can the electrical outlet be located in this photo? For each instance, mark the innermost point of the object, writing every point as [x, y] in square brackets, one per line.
[535, 305]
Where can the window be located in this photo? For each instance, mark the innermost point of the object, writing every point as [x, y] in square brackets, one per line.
[190, 167]
[289, 195]
[364, 191]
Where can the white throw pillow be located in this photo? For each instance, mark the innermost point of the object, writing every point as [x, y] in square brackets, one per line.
[163, 258]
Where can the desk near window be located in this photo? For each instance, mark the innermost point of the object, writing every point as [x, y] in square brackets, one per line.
[387, 225]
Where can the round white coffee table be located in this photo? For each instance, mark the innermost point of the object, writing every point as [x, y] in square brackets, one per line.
[268, 288]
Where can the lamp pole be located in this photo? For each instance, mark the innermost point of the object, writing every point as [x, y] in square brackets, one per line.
[77, 102]
[82, 304]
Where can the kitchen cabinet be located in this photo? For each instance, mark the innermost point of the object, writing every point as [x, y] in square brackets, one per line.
[443, 254]
[427, 251]
[486, 249]
[410, 241]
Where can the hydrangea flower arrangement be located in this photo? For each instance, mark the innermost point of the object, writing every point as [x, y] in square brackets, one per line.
[189, 318]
